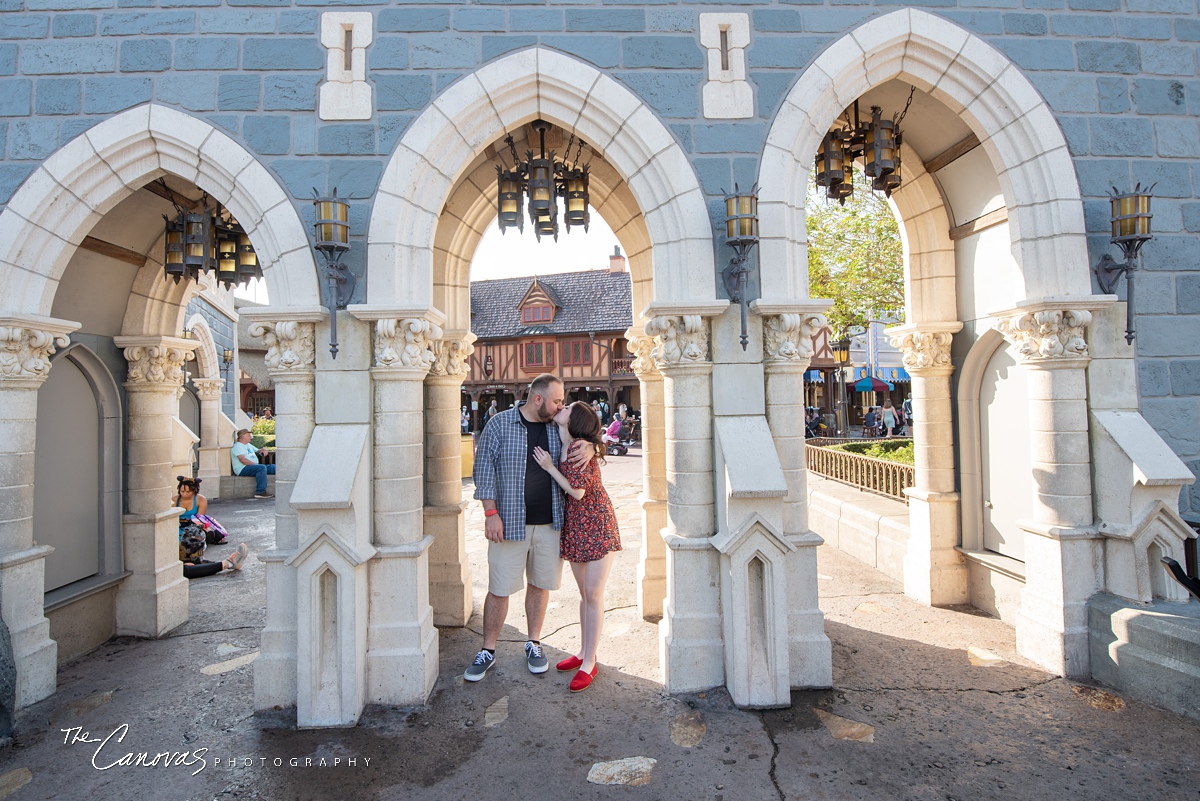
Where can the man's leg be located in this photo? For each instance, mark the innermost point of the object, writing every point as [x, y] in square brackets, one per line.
[495, 611]
[536, 601]
[260, 477]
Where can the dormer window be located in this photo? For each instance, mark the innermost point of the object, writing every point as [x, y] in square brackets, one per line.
[537, 314]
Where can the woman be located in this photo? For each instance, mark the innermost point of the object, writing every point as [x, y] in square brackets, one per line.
[195, 509]
[589, 533]
[889, 418]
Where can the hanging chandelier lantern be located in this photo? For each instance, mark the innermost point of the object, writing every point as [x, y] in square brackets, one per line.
[876, 141]
[542, 180]
[206, 239]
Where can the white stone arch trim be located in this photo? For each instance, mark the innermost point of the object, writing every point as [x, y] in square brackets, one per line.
[207, 360]
[930, 292]
[970, 436]
[1014, 125]
[75, 187]
[476, 110]
[471, 208]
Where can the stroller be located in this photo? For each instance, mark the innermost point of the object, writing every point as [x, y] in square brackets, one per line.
[625, 438]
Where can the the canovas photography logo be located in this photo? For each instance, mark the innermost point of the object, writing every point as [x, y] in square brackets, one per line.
[111, 752]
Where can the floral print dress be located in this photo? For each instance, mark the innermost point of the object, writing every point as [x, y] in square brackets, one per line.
[589, 529]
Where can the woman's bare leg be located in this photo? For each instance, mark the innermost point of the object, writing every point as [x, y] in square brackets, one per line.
[579, 570]
[591, 588]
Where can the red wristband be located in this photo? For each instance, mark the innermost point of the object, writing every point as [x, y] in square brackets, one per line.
[490, 512]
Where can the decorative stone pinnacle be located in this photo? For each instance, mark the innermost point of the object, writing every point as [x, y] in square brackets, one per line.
[679, 340]
[1050, 334]
[25, 352]
[291, 345]
[406, 343]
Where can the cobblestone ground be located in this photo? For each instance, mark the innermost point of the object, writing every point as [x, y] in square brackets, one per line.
[926, 704]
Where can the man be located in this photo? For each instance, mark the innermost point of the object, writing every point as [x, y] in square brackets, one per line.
[492, 411]
[245, 463]
[523, 513]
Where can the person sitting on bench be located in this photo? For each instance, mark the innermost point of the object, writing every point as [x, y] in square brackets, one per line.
[246, 463]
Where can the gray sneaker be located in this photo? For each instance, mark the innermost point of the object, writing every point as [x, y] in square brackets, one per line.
[537, 661]
[479, 668]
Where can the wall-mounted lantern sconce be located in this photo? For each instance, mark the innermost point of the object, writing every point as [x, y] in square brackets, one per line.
[333, 239]
[190, 337]
[741, 234]
[1130, 230]
[226, 362]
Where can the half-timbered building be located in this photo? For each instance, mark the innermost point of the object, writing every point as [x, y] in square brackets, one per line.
[569, 324]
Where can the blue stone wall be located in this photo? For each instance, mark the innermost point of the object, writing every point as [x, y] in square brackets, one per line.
[224, 334]
[1121, 76]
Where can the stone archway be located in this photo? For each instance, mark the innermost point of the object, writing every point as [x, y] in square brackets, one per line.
[407, 292]
[40, 229]
[1049, 275]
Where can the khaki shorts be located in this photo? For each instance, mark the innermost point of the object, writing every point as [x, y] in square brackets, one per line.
[536, 556]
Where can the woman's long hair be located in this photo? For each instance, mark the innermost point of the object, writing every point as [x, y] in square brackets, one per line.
[584, 423]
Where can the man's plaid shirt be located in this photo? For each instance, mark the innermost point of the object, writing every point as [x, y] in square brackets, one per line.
[500, 459]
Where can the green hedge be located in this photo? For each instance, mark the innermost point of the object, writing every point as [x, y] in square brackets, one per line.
[892, 450]
[263, 441]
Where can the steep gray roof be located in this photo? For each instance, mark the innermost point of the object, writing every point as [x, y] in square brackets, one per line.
[593, 300]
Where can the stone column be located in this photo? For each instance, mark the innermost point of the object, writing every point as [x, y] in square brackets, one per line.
[290, 359]
[402, 645]
[449, 570]
[691, 649]
[25, 349]
[208, 390]
[652, 568]
[934, 571]
[787, 352]
[1063, 550]
[154, 599]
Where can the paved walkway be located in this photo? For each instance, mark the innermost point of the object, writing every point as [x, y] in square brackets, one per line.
[927, 704]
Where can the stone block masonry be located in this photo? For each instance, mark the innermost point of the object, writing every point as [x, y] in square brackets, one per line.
[1122, 79]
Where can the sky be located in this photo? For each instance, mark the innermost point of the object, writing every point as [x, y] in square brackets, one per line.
[514, 254]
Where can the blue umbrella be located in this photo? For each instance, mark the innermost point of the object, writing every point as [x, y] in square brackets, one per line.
[870, 384]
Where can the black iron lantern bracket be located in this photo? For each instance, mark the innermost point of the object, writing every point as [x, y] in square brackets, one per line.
[1130, 230]
[741, 234]
[333, 239]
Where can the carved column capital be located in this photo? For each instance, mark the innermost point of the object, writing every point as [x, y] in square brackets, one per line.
[1048, 337]
[788, 338]
[25, 353]
[208, 388]
[641, 362]
[291, 344]
[155, 362]
[451, 356]
[406, 343]
[679, 340]
[924, 352]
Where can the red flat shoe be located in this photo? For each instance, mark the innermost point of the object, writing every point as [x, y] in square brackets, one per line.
[570, 663]
[583, 679]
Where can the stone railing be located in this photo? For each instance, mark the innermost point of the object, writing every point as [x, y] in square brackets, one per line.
[880, 476]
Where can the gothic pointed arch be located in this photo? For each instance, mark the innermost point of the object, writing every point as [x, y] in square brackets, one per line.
[76, 186]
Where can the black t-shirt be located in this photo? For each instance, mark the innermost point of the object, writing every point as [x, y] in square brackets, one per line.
[539, 500]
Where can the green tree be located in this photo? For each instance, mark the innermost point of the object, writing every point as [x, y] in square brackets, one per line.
[854, 256]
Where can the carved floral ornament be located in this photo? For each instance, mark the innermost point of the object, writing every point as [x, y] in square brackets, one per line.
[406, 343]
[208, 388]
[924, 350]
[156, 364]
[291, 345]
[1052, 334]
[788, 337]
[451, 356]
[678, 340]
[640, 347]
[25, 352]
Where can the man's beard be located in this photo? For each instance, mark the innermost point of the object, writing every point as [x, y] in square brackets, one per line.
[544, 413]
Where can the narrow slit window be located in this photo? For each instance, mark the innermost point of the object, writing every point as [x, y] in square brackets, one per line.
[348, 50]
[724, 50]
